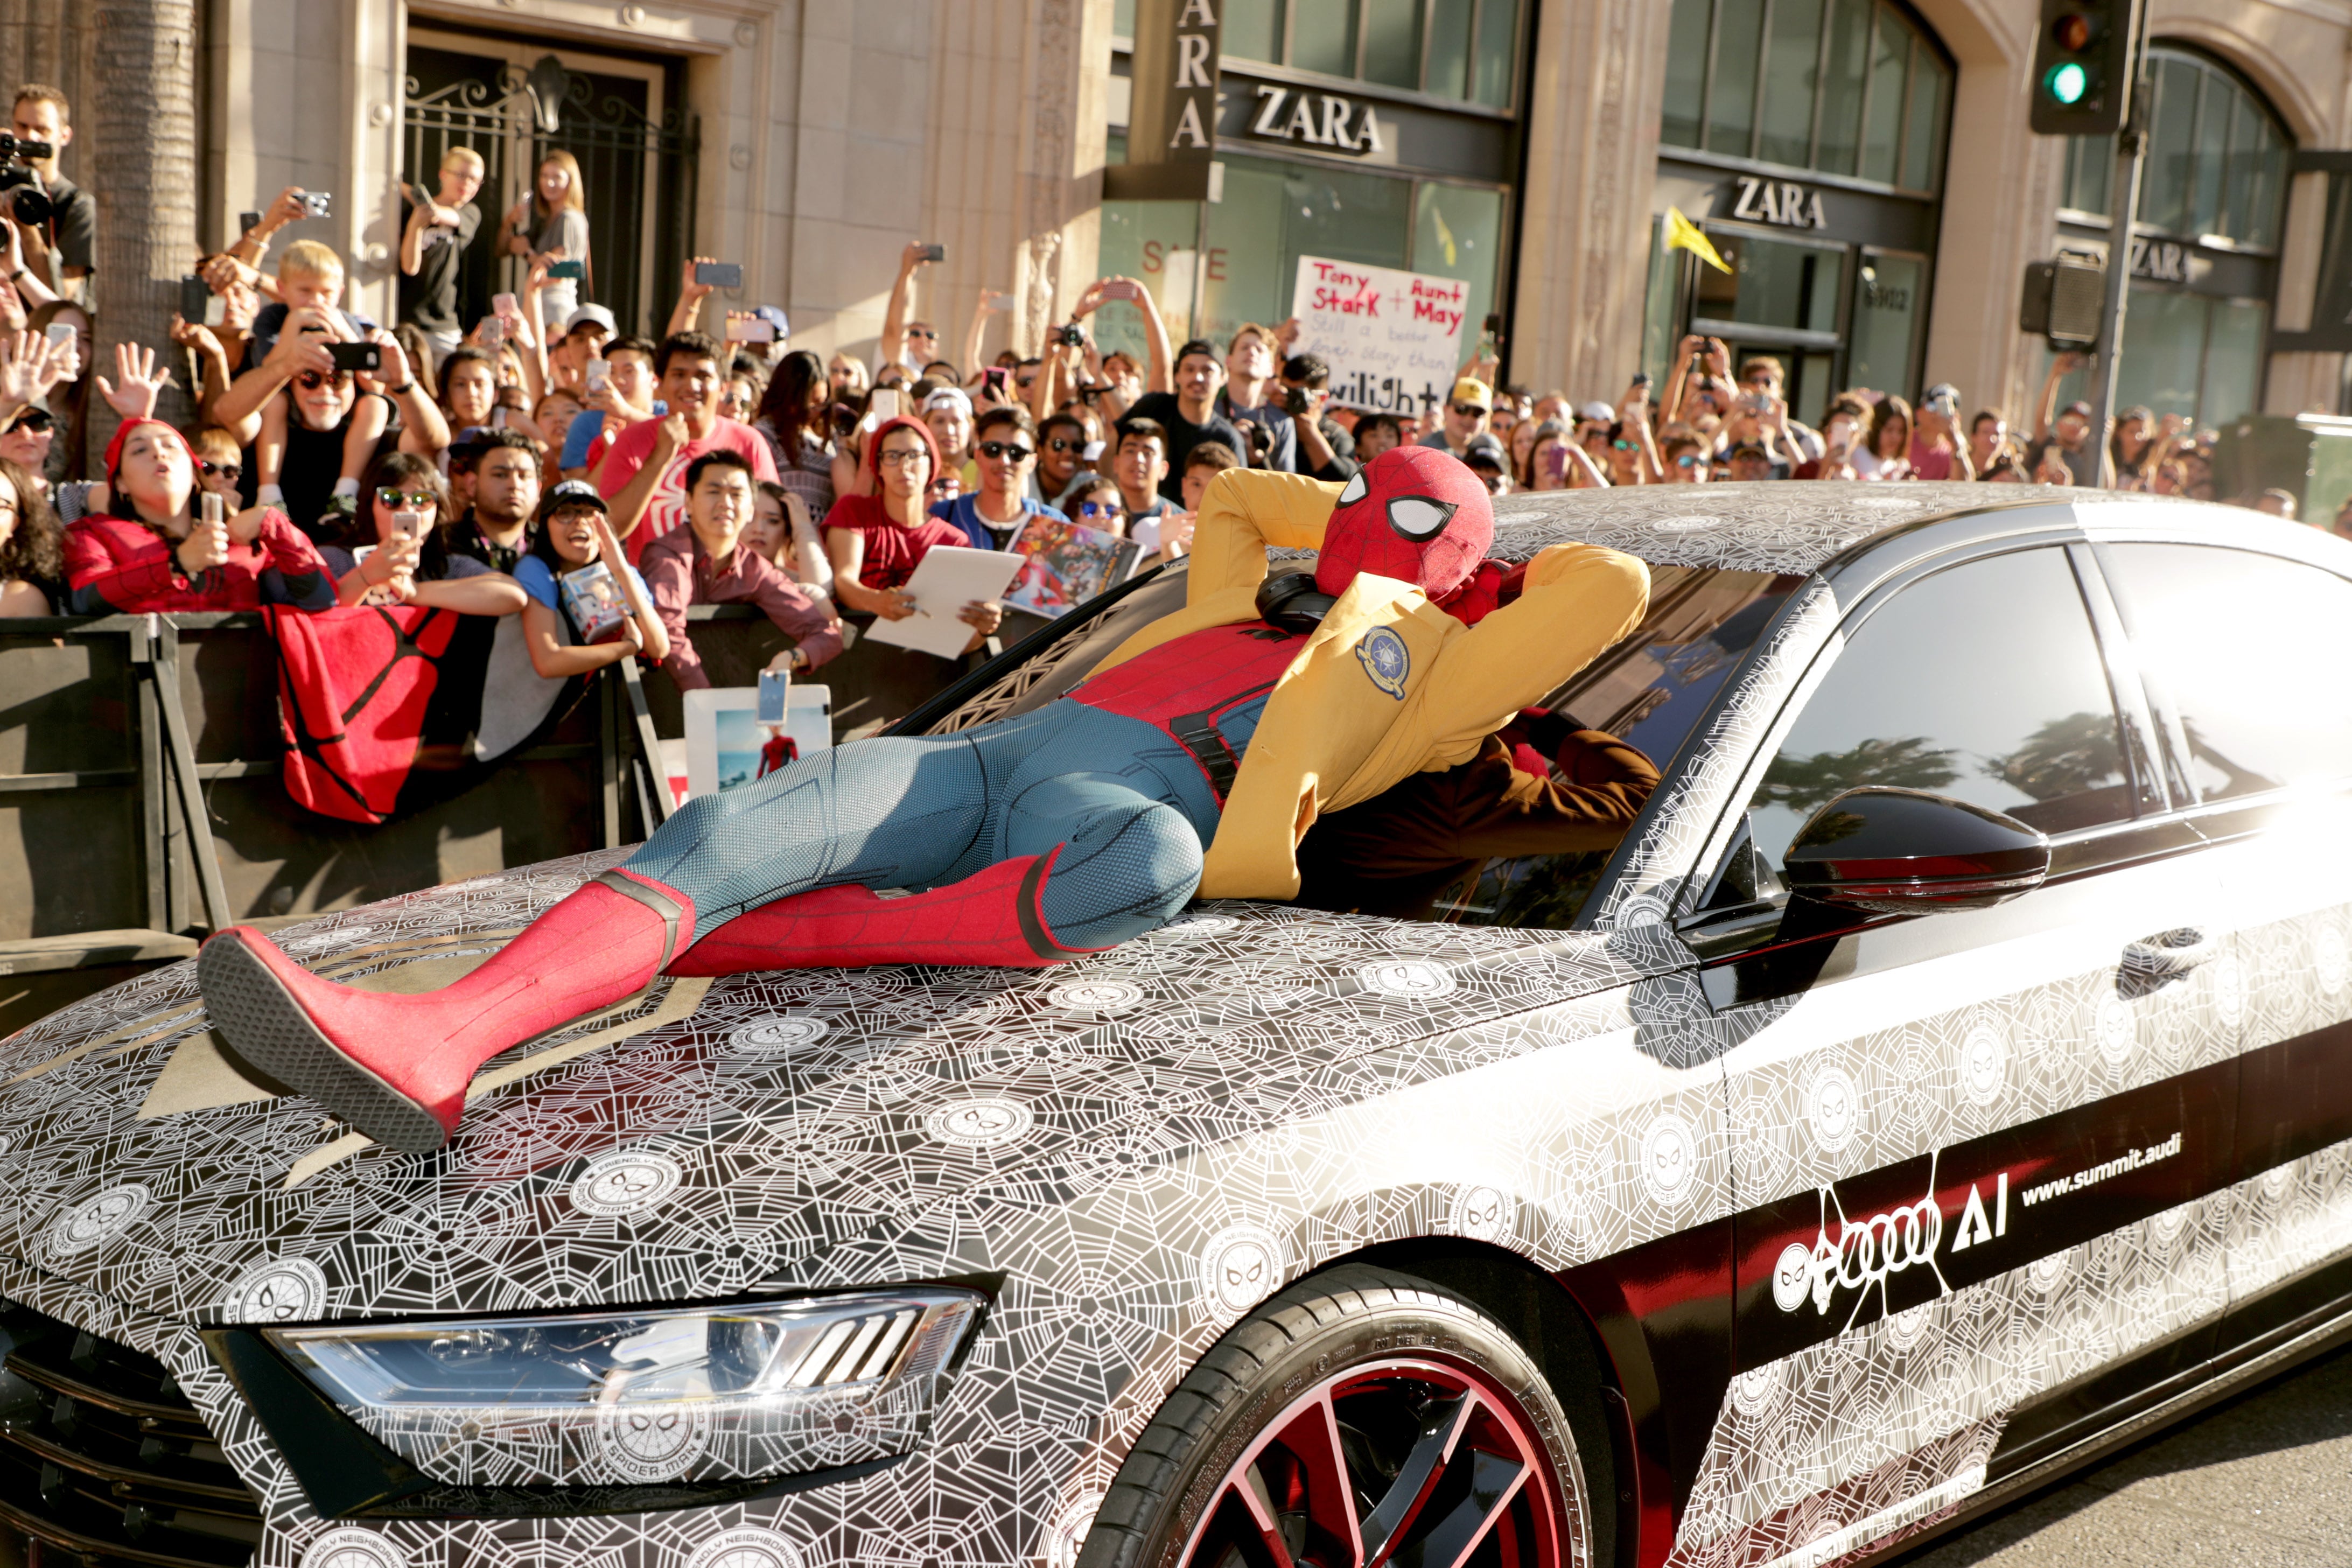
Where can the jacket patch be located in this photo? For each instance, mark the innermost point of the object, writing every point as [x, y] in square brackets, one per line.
[1385, 659]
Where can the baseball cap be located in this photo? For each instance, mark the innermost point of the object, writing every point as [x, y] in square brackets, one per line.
[774, 318]
[574, 492]
[1749, 449]
[586, 315]
[1472, 390]
[948, 398]
[1598, 410]
[1484, 449]
[2077, 406]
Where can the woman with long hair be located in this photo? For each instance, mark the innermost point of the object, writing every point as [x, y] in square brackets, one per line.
[552, 225]
[32, 553]
[793, 417]
[1884, 456]
[571, 535]
[68, 401]
[403, 525]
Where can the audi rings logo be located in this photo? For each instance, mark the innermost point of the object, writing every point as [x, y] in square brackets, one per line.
[1862, 1256]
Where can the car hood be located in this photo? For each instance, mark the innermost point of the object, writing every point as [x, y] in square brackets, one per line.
[792, 1130]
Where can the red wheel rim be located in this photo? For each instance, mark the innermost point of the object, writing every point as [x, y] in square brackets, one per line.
[1410, 1462]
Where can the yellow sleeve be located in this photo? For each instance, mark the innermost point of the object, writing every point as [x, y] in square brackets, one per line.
[1578, 601]
[1242, 511]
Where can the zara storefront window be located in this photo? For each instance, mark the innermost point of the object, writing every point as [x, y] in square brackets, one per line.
[2205, 254]
[1440, 75]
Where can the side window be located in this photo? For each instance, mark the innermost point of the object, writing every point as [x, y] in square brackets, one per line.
[2248, 649]
[1983, 683]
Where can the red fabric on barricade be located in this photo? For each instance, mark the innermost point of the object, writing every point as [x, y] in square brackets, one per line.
[353, 690]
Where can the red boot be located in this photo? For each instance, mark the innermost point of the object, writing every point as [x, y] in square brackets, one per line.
[990, 917]
[396, 1067]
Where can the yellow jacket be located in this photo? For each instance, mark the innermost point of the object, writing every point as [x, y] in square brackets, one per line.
[1389, 686]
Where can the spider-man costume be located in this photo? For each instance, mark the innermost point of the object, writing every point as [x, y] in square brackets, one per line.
[1024, 842]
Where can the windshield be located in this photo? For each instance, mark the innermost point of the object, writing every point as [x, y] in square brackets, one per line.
[1648, 690]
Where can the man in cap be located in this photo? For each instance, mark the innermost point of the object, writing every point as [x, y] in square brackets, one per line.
[1487, 458]
[1465, 416]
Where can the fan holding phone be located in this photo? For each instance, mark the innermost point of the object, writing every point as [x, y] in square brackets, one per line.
[552, 225]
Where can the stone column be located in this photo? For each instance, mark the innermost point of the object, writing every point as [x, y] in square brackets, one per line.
[142, 168]
[1593, 153]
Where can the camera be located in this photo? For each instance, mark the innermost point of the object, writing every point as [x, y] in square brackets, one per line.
[1070, 335]
[27, 201]
[318, 204]
[1297, 404]
[356, 356]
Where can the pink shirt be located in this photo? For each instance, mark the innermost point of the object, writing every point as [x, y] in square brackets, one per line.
[665, 509]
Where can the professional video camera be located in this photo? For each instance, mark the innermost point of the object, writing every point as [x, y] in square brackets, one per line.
[26, 200]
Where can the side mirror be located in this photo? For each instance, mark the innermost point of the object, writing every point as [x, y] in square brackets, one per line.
[1906, 852]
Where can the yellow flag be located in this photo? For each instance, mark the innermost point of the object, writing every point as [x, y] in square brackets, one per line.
[1684, 235]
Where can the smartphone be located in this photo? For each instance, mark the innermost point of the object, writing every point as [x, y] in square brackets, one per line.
[504, 305]
[996, 375]
[573, 269]
[318, 204]
[933, 253]
[247, 222]
[494, 332]
[1494, 325]
[1555, 461]
[599, 375]
[195, 298]
[883, 404]
[1121, 288]
[499, 417]
[62, 333]
[775, 695]
[719, 274]
[212, 508]
[1002, 298]
[750, 329]
[408, 525]
[1642, 379]
[356, 356]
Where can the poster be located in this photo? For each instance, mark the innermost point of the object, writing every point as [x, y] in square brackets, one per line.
[1393, 340]
[1068, 564]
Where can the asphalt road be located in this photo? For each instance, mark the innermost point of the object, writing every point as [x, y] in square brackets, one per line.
[2264, 1480]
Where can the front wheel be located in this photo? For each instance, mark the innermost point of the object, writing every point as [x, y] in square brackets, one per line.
[1360, 1419]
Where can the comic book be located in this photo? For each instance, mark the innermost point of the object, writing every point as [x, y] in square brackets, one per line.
[1067, 565]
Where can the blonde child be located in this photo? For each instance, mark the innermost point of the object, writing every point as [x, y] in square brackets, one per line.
[311, 275]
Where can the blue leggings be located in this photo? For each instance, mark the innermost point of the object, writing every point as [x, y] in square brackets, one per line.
[1131, 806]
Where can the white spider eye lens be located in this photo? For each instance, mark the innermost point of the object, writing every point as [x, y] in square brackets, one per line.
[1357, 490]
[1418, 517]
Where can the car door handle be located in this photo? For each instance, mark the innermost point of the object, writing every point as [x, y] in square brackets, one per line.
[2169, 955]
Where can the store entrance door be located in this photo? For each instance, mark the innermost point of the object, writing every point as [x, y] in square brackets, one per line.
[1783, 298]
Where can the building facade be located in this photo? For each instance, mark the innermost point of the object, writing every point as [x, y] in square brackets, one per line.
[1865, 165]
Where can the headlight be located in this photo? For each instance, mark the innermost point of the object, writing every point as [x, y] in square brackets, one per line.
[614, 1398]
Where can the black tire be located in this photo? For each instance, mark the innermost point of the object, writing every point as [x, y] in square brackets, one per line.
[1353, 1316]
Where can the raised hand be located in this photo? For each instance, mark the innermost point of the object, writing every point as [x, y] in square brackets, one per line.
[690, 292]
[206, 547]
[29, 368]
[138, 381]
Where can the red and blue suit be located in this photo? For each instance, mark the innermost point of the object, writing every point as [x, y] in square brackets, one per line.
[1022, 843]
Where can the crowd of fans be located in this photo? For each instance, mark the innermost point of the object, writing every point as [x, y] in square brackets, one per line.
[481, 466]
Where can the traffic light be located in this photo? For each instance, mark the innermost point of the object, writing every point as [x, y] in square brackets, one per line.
[2083, 67]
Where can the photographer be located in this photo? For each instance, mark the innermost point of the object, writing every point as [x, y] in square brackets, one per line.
[60, 242]
[433, 247]
[1325, 450]
[1249, 399]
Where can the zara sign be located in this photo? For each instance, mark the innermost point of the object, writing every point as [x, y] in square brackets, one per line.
[1785, 203]
[1311, 118]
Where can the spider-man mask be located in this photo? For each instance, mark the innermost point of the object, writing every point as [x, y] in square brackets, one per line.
[1413, 513]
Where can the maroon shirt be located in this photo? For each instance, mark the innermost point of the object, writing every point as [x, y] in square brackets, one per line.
[680, 572]
[893, 548]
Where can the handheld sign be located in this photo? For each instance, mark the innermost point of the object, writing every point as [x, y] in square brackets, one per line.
[1392, 339]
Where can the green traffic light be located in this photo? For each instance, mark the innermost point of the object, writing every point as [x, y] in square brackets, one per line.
[2068, 82]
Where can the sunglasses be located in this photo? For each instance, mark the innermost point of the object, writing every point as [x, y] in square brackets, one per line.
[922, 333]
[1013, 451]
[1623, 445]
[1468, 410]
[393, 497]
[34, 420]
[1059, 445]
[1094, 509]
[311, 380]
[1687, 460]
[232, 473]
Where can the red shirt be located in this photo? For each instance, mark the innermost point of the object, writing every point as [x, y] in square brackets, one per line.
[113, 565]
[893, 548]
[666, 507]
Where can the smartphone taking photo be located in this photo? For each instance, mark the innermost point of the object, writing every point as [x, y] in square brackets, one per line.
[719, 274]
[318, 204]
